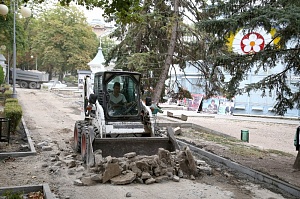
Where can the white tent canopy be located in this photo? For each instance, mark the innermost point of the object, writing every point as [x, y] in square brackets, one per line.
[96, 64]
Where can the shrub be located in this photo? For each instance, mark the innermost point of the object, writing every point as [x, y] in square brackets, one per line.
[11, 100]
[71, 79]
[13, 111]
[8, 94]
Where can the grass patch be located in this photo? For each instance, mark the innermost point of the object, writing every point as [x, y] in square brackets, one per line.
[235, 145]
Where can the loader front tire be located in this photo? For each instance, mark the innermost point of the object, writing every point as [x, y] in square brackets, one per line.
[77, 134]
[84, 144]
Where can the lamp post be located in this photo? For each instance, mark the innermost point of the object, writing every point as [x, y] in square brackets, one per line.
[26, 12]
[35, 61]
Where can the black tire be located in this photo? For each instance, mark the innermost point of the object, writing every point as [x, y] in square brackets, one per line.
[32, 85]
[77, 134]
[84, 144]
[23, 84]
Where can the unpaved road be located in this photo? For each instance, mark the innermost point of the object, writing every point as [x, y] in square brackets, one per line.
[51, 118]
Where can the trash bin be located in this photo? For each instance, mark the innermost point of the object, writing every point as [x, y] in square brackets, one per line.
[245, 135]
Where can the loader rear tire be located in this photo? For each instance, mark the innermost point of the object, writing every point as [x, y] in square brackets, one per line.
[77, 134]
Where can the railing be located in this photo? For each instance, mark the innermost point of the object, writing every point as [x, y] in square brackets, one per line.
[4, 130]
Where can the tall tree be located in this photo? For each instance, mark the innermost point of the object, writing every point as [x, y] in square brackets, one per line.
[144, 45]
[168, 61]
[145, 32]
[6, 34]
[64, 41]
[281, 15]
[284, 48]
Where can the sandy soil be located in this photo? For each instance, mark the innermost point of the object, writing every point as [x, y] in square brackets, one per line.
[51, 118]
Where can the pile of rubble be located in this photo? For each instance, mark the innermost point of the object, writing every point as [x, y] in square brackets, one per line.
[132, 168]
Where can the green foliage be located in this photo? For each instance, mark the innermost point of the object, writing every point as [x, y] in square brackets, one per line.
[63, 41]
[145, 45]
[107, 44]
[11, 195]
[6, 33]
[71, 79]
[125, 10]
[13, 111]
[7, 86]
[7, 94]
[11, 100]
[2, 78]
[282, 15]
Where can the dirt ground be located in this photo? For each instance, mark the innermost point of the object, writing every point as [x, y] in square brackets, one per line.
[270, 149]
[51, 118]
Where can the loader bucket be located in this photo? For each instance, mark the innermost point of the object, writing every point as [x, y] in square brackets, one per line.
[117, 147]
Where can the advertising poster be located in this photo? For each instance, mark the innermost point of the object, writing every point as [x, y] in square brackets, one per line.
[193, 104]
[226, 107]
[210, 105]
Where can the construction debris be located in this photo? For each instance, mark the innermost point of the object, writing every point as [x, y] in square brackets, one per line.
[132, 168]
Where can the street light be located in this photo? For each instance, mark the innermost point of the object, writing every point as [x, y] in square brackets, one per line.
[35, 61]
[26, 12]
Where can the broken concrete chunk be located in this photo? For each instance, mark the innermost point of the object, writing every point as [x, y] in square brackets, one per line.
[124, 165]
[128, 178]
[156, 171]
[70, 163]
[98, 159]
[177, 131]
[130, 155]
[87, 181]
[150, 181]
[97, 177]
[108, 159]
[78, 182]
[142, 165]
[46, 148]
[164, 156]
[161, 178]
[128, 194]
[146, 175]
[135, 169]
[176, 178]
[111, 170]
[180, 173]
[80, 169]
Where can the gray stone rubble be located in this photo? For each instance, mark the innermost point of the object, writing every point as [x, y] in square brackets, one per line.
[131, 168]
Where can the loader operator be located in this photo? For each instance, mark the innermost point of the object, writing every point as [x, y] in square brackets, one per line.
[117, 100]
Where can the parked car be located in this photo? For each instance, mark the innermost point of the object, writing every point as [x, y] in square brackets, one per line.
[54, 84]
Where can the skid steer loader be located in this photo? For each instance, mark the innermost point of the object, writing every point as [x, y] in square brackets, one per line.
[128, 128]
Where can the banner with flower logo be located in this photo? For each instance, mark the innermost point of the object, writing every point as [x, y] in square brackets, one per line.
[251, 41]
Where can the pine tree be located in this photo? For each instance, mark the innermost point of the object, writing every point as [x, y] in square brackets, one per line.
[280, 15]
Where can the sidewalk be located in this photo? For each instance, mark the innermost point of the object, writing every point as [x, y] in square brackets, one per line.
[180, 110]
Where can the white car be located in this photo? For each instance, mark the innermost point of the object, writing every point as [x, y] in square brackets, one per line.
[54, 84]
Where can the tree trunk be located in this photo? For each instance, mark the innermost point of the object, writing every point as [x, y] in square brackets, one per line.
[61, 76]
[162, 78]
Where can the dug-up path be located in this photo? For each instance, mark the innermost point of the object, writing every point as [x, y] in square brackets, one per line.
[50, 117]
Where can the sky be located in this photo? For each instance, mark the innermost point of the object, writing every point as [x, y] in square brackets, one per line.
[96, 13]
